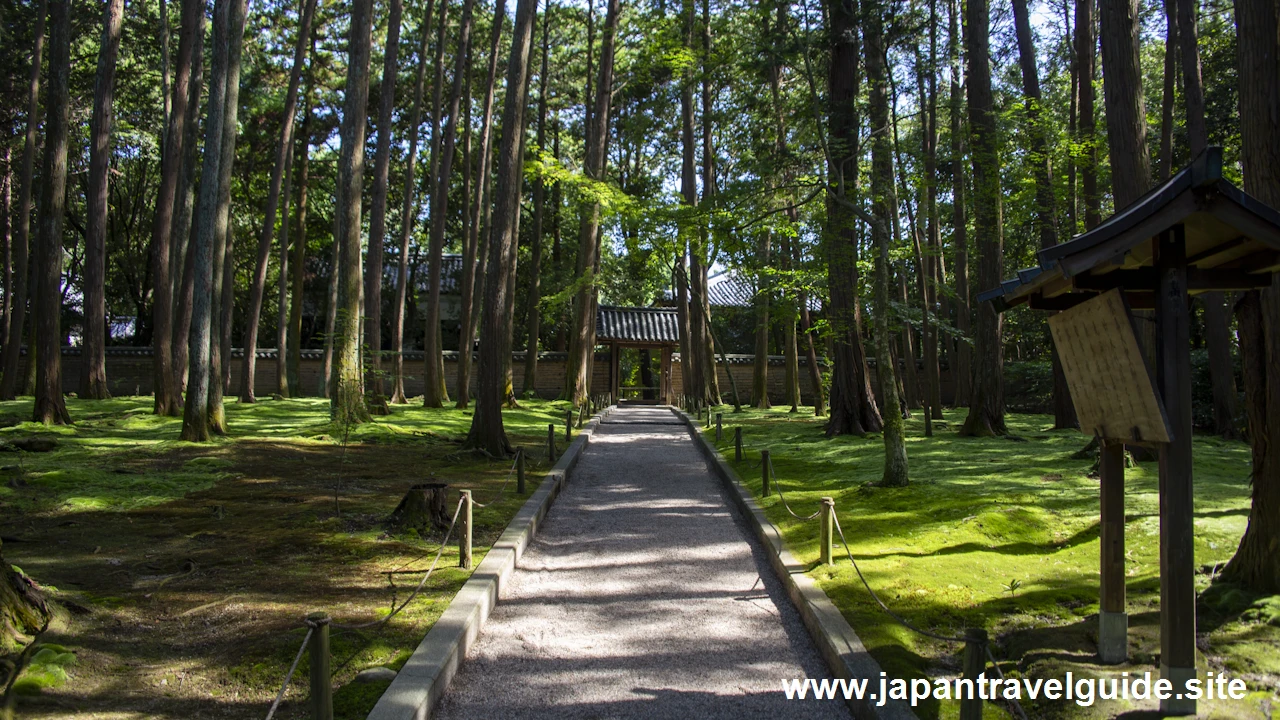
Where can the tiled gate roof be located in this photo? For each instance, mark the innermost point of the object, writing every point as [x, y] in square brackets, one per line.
[638, 325]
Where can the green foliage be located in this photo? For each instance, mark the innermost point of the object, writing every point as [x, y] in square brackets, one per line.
[46, 669]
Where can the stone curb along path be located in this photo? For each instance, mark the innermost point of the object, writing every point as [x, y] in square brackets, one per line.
[835, 639]
[424, 679]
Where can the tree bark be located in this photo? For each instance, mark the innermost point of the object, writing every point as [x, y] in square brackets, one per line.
[181, 259]
[853, 405]
[1170, 88]
[347, 404]
[1217, 324]
[203, 376]
[533, 313]
[297, 262]
[884, 206]
[168, 399]
[1257, 561]
[474, 249]
[487, 432]
[1125, 106]
[760, 366]
[93, 362]
[1086, 52]
[581, 347]
[50, 407]
[711, 380]
[23, 609]
[16, 295]
[434, 393]
[407, 211]
[986, 402]
[440, 211]
[963, 368]
[253, 313]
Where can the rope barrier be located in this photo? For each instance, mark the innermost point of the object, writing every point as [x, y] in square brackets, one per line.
[777, 486]
[502, 490]
[292, 669]
[443, 544]
[1016, 705]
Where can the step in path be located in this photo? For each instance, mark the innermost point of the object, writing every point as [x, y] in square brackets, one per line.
[643, 595]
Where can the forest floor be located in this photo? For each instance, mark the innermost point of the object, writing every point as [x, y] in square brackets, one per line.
[1002, 533]
[186, 569]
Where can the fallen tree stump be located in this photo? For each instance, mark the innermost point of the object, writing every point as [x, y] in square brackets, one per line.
[425, 505]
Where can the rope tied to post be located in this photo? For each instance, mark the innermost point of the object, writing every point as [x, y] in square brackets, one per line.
[311, 628]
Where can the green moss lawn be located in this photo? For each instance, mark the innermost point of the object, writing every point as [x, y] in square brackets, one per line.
[186, 569]
[1002, 533]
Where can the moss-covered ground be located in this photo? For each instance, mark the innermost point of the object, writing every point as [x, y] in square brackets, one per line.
[186, 569]
[1002, 533]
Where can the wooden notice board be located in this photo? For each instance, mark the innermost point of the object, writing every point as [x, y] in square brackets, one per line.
[1111, 387]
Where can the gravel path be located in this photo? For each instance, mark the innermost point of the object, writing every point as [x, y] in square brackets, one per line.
[642, 596]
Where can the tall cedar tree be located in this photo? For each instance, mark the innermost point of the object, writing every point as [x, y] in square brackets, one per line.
[181, 260]
[16, 294]
[347, 391]
[986, 403]
[378, 208]
[963, 370]
[853, 406]
[1064, 414]
[293, 343]
[476, 242]
[408, 204]
[93, 364]
[434, 393]
[168, 398]
[1256, 563]
[50, 407]
[257, 289]
[487, 432]
[533, 312]
[884, 206]
[199, 414]
[440, 204]
[578, 380]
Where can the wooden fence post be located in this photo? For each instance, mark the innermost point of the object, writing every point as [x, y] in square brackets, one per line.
[764, 470]
[551, 442]
[737, 444]
[520, 470]
[321, 687]
[828, 529]
[975, 662]
[464, 532]
[568, 425]
[719, 426]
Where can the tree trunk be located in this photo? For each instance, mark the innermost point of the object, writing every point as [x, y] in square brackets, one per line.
[283, 388]
[50, 407]
[1217, 331]
[203, 376]
[487, 431]
[347, 404]
[884, 206]
[706, 257]
[424, 507]
[760, 366]
[472, 276]
[986, 402]
[533, 313]
[331, 305]
[1125, 106]
[790, 347]
[297, 263]
[910, 371]
[581, 347]
[433, 392]
[407, 211]
[93, 362]
[378, 210]
[6, 237]
[1170, 88]
[168, 398]
[853, 405]
[253, 313]
[1086, 51]
[962, 370]
[181, 260]
[16, 295]
[23, 610]
[439, 213]
[1257, 561]
[933, 235]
